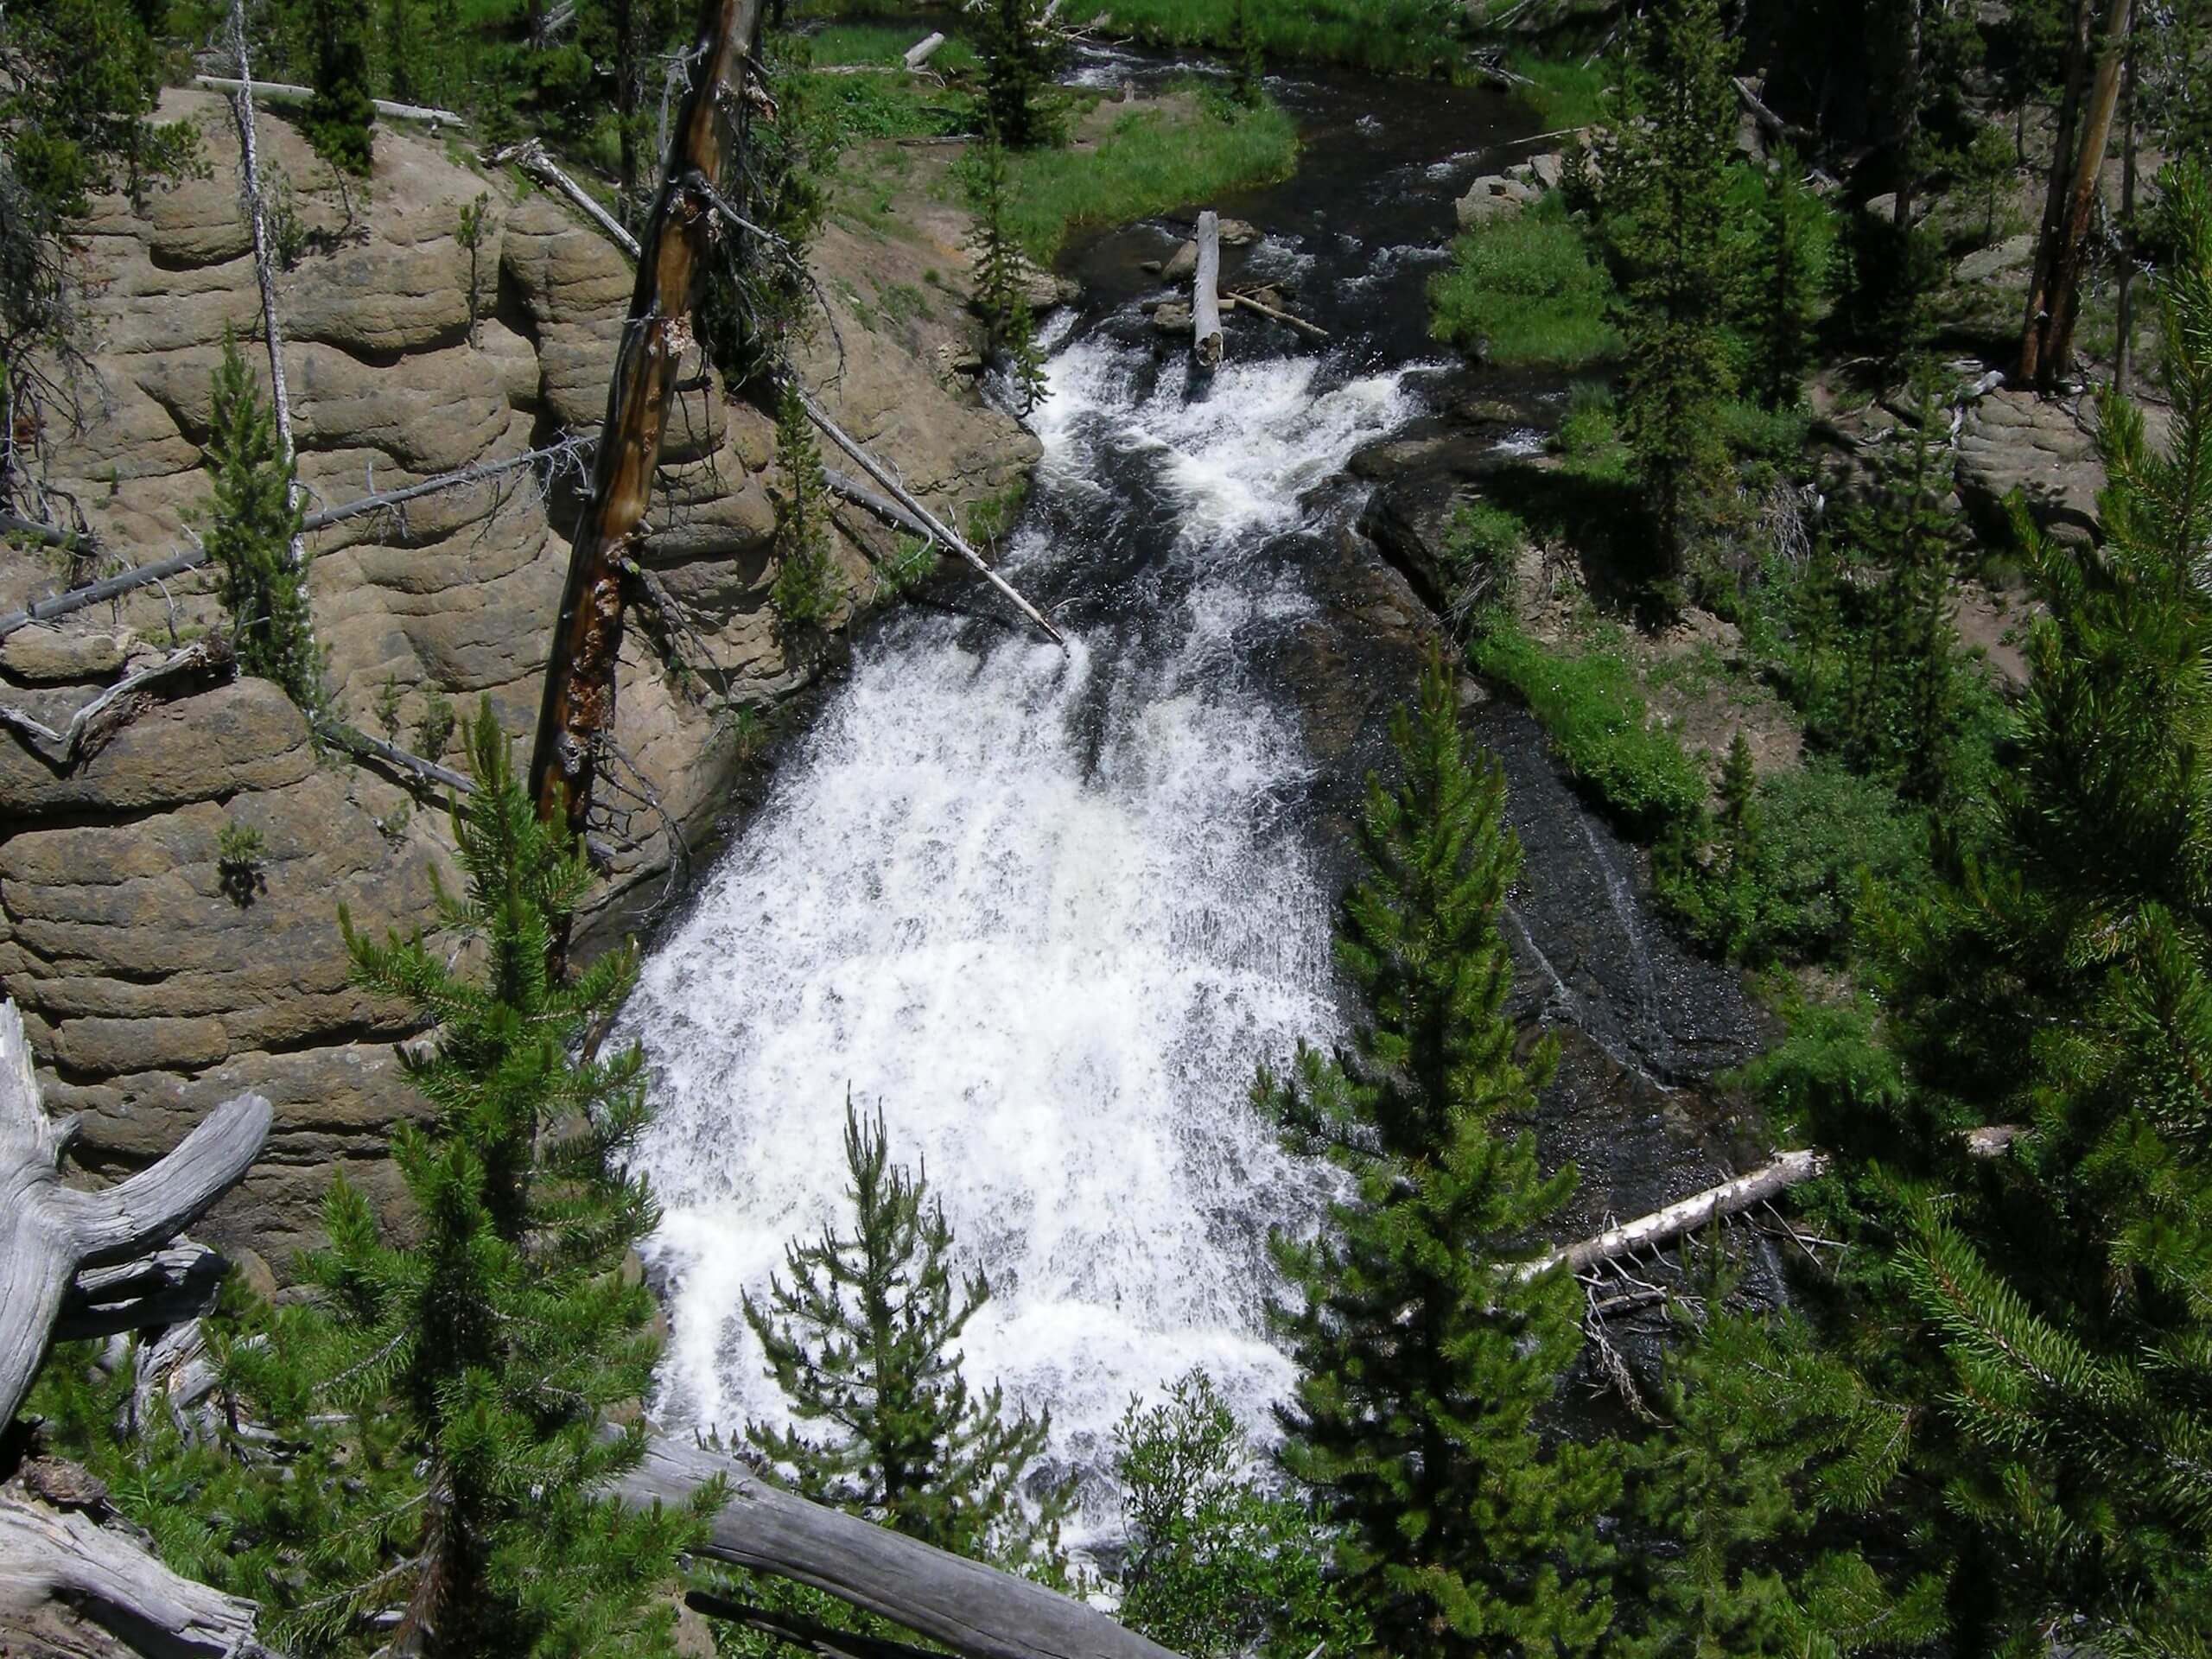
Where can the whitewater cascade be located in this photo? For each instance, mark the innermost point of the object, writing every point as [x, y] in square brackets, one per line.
[1047, 911]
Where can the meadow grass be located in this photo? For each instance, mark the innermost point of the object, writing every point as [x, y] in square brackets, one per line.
[1147, 163]
[1566, 91]
[1525, 290]
[887, 43]
[1384, 36]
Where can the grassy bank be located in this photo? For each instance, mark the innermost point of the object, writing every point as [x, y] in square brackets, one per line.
[1148, 161]
[1382, 36]
[1525, 289]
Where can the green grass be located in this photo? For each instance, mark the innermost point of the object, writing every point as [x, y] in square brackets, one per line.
[884, 43]
[1525, 290]
[1566, 91]
[1148, 162]
[1384, 36]
[1600, 725]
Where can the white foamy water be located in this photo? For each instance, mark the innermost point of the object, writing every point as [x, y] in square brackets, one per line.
[1048, 911]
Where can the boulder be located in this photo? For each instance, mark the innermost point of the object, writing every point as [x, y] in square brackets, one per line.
[2015, 439]
[2014, 253]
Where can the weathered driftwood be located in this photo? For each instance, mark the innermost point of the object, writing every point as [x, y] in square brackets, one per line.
[15, 523]
[919, 53]
[278, 92]
[49, 1232]
[1312, 331]
[578, 709]
[929, 522]
[1206, 293]
[975, 1610]
[1769, 122]
[353, 738]
[568, 449]
[176, 1283]
[51, 1559]
[1732, 1197]
[530, 157]
[59, 748]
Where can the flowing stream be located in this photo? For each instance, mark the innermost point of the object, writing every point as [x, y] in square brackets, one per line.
[1046, 912]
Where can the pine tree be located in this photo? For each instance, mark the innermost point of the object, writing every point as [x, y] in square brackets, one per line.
[2062, 1351]
[1424, 1348]
[1665, 172]
[1002, 282]
[1788, 281]
[805, 592]
[1248, 67]
[1756, 1428]
[338, 120]
[251, 522]
[1017, 68]
[862, 1341]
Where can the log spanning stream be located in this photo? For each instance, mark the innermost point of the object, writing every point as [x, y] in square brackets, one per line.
[1047, 911]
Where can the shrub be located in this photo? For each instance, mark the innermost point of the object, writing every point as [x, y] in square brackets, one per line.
[238, 850]
[1600, 728]
[434, 727]
[1480, 544]
[1592, 425]
[1525, 289]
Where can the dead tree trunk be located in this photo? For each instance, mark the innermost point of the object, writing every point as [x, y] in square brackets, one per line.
[920, 52]
[278, 92]
[265, 269]
[530, 157]
[577, 714]
[50, 1231]
[1206, 293]
[2057, 354]
[975, 1610]
[2047, 342]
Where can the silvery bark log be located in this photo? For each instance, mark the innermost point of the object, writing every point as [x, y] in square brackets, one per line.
[1206, 293]
[278, 92]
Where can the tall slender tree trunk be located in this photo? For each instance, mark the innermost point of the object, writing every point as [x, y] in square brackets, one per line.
[2054, 205]
[2124, 347]
[576, 719]
[629, 27]
[2048, 349]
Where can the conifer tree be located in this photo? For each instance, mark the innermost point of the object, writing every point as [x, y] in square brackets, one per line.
[338, 119]
[2062, 1352]
[1787, 281]
[1017, 68]
[1665, 173]
[1424, 1349]
[861, 1341]
[805, 592]
[1247, 65]
[251, 522]
[1002, 286]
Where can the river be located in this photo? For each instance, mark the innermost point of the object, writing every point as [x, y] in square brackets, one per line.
[1047, 911]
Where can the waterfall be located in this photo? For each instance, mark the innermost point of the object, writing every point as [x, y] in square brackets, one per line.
[1048, 911]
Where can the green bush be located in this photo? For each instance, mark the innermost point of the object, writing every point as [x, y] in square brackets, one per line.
[1525, 289]
[1600, 728]
[1592, 425]
[1385, 36]
[1826, 838]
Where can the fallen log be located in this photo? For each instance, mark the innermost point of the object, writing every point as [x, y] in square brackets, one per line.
[49, 1233]
[176, 1283]
[353, 738]
[975, 1610]
[1788, 131]
[1686, 1216]
[1205, 294]
[530, 157]
[568, 449]
[1312, 331]
[108, 588]
[930, 523]
[807, 1634]
[276, 92]
[577, 713]
[59, 749]
[55, 1556]
[920, 52]
[845, 484]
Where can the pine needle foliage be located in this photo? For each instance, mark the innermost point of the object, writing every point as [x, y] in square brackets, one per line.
[1665, 173]
[252, 520]
[473, 1364]
[1017, 52]
[861, 1340]
[340, 119]
[2063, 979]
[805, 592]
[1001, 278]
[1423, 1353]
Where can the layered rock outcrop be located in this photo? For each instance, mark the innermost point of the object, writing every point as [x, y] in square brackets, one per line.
[153, 980]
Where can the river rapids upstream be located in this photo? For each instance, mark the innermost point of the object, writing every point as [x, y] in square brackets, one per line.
[1047, 911]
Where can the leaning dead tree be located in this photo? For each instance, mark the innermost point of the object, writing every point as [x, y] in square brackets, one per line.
[1206, 293]
[577, 715]
[2054, 297]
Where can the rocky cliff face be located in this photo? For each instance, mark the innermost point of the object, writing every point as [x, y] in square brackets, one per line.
[153, 981]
